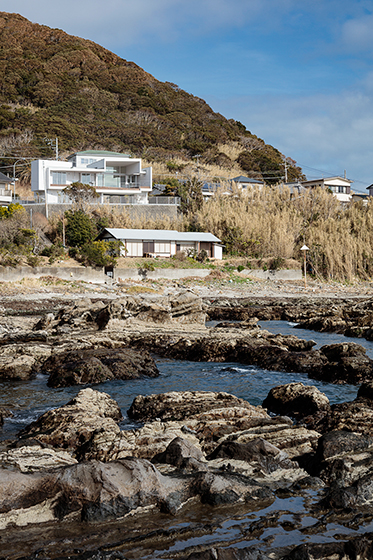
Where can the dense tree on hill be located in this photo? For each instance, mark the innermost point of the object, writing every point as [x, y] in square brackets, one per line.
[57, 85]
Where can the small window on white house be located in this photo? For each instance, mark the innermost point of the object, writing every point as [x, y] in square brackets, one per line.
[58, 178]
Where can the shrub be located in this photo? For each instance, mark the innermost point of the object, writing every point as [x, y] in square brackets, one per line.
[54, 252]
[240, 268]
[276, 263]
[79, 228]
[100, 253]
[33, 260]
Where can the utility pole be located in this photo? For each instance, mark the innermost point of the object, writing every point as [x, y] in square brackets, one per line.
[286, 171]
[53, 143]
[197, 158]
[14, 177]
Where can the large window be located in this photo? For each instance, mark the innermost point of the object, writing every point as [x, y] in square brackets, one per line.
[164, 247]
[58, 178]
[86, 178]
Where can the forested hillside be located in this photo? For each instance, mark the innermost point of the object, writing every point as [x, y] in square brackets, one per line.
[57, 85]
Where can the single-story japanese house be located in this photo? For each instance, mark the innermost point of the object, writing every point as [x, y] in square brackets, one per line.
[162, 243]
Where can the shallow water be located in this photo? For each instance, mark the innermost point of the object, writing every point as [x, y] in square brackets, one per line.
[29, 399]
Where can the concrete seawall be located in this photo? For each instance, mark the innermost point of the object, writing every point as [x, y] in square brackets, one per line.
[285, 274]
[98, 276]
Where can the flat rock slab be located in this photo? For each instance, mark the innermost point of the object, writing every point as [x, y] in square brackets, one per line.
[186, 404]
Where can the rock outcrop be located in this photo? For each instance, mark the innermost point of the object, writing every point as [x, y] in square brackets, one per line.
[71, 425]
[296, 400]
[98, 365]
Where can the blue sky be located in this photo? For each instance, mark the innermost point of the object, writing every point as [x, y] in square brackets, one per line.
[298, 74]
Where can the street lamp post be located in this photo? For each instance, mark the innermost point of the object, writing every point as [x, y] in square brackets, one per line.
[305, 249]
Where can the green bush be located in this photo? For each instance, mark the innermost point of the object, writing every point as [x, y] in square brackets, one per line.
[100, 253]
[240, 268]
[79, 228]
[54, 252]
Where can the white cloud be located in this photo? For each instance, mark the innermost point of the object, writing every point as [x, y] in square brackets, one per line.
[356, 34]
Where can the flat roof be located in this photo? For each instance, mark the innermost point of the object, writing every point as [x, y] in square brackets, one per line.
[102, 153]
[160, 235]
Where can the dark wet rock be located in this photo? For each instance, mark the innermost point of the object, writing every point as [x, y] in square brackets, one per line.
[181, 405]
[71, 425]
[178, 452]
[249, 324]
[335, 352]
[348, 363]
[366, 391]
[360, 548]
[296, 400]
[247, 553]
[97, 365]
[267, 456]
[353, 416]
[224, 488]
[94, 491]
[343, 460]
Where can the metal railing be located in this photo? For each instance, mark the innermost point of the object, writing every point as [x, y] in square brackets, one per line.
[122, 200]
[164, 200]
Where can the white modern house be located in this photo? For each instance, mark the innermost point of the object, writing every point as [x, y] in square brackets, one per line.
[339, 186]
[117, 178]
[162, 243]
[5, 189]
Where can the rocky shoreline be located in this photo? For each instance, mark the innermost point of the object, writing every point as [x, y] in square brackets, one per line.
[78, 486]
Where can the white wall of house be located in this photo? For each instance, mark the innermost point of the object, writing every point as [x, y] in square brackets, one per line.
[218, 252]
[116, 175]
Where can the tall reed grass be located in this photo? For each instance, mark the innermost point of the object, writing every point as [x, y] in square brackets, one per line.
[272, 223]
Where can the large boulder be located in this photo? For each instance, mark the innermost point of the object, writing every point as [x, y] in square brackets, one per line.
[296, 400]
[93, 491]
[343, 460]
[97, 365]
[71, 425]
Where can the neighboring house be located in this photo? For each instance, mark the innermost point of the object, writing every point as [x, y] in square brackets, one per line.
[245, 182]
[5, 189]
[162, 243]
[117, 178]
[370, 189]
[294, 188]
[356, 197]
[339, 186]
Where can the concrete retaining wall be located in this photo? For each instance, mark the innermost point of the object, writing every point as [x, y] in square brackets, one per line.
[169, 273]
[98, 276]
[291, 274]
[147, 211]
